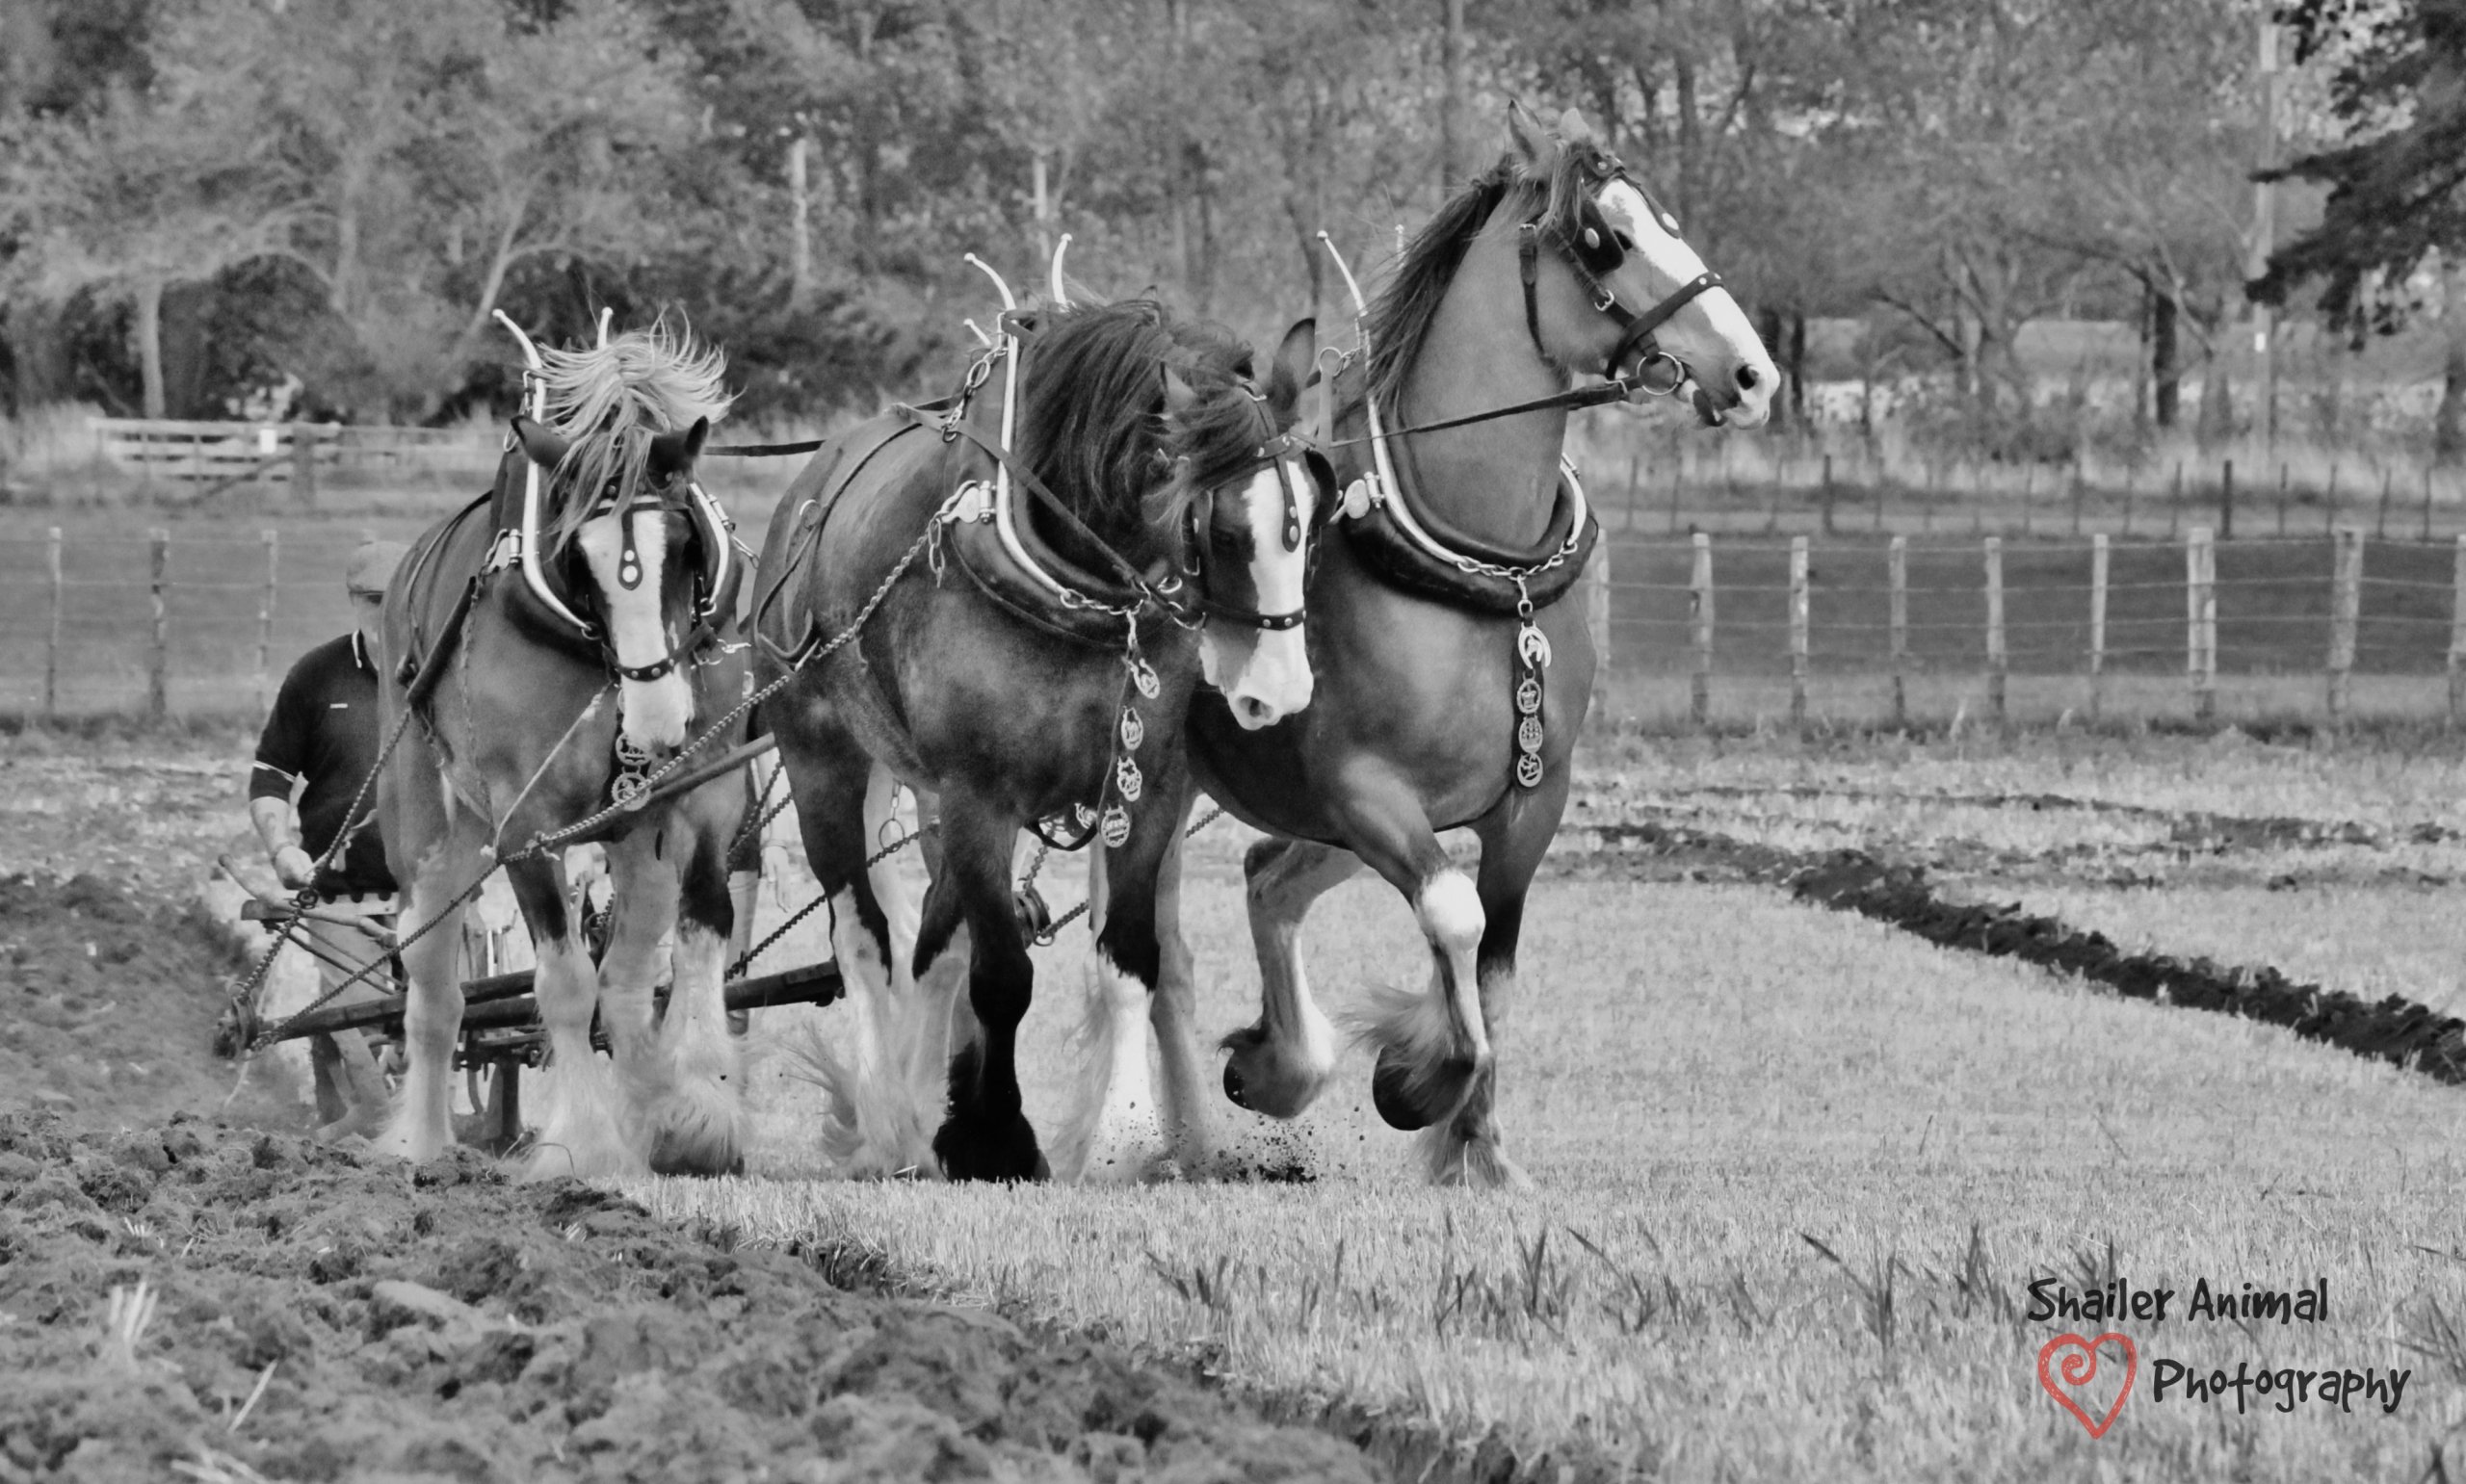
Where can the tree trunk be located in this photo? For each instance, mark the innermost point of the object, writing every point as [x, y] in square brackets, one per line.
[1454, 164]
[148, 333]
[2448, 437]
[37, 355]
[2165, 357]
[2216, 423]
[1767, 328]
[1797, 366]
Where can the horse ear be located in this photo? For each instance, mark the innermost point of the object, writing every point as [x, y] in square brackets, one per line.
[1574, 130]
[1179, 399]
[1528, 137]
[673, 452]
[542, 446]
[1293, 358]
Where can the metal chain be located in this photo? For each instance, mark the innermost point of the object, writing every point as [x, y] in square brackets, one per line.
[737, 969]
[1054, 928]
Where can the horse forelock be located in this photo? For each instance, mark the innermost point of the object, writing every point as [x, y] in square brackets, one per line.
[610, 401]
[1400, 314]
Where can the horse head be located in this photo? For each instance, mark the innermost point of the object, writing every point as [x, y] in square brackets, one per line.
[1609, 282]
[1253, 494]
[628, 538]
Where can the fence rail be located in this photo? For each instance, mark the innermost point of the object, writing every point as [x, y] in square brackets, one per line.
[219, 455]
[1698, 628]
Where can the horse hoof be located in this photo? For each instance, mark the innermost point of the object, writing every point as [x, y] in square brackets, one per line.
[671, 1156]
[1233, 1087]
[1410, 1097]
[1003, 1151]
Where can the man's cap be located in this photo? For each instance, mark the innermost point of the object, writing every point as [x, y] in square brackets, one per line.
[371, 566]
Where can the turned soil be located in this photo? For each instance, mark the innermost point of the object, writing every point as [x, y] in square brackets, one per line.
[445, 1323]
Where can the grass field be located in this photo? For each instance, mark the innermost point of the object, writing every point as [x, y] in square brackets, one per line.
[1707, 1081]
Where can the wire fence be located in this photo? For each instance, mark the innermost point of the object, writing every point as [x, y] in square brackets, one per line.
[1698, 629]
[1903, 629]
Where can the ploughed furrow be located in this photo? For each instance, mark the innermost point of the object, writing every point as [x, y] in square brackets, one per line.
[2394, 1030]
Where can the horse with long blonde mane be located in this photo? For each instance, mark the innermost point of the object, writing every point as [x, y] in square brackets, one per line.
[555, 644]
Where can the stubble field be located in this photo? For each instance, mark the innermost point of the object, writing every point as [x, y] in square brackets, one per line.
[1796, 1168]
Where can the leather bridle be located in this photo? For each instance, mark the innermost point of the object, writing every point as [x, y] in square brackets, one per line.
[1201, 518]
[1593, 259]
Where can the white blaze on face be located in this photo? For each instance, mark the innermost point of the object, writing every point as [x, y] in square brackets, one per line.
[1711, 334]
[655, 711]
[1265, 673]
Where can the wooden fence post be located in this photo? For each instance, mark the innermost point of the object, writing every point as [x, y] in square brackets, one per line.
[1897, 568]
[2098, 559]
[1596, 606]
[265, 623]
[2346, 608]
[1700, 585]
[51, 643]
[1798, 631]
[1996, 663]
[158, 661]
[2457, 634]
[2200, 618]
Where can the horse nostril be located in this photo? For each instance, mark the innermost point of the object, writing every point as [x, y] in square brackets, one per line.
[1747, 378]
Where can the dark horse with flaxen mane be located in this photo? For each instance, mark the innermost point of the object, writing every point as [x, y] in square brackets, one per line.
[556, 646]
[1021, 659]
[1451, 683]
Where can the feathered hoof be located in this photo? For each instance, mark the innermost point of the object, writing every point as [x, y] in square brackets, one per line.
[408, 1136]
[1474, 1164]
[978, 1148]
[1264, 1078]
[693, 1136]
[589, 1153]
[1411, 1097]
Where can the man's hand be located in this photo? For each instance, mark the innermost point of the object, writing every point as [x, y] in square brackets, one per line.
[295, 865]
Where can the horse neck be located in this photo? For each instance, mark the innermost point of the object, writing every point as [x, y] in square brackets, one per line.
[1495, 480]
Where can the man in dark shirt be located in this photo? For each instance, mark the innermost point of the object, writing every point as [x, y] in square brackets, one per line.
[319, 747]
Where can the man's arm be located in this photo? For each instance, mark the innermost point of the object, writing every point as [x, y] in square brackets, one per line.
[280, 753]
[273, 817]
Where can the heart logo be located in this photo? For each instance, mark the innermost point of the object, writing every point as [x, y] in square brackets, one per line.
[2080, 1368]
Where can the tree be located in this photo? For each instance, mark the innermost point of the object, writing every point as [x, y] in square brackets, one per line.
[2396, 182]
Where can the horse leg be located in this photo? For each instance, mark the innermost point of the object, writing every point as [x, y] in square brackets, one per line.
[444, 845]
[1114, 1134]
[695, 1107]
[1432, 1047]
[582, 1131]
[1465, 1149]
[987, 1134]
[1279, 1064]
[876, 1126]
[1174, 1011]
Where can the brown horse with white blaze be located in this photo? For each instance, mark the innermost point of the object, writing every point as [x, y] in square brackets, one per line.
[555, 645]
[1451, 683]
[1033, 664]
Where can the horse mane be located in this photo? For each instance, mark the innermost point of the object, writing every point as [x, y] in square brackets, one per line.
[1092, 404]
[1400, 316]
[610, 401]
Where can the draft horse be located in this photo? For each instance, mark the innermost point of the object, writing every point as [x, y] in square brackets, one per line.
[1450, 681]
[1120, 518]
[555, 645]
